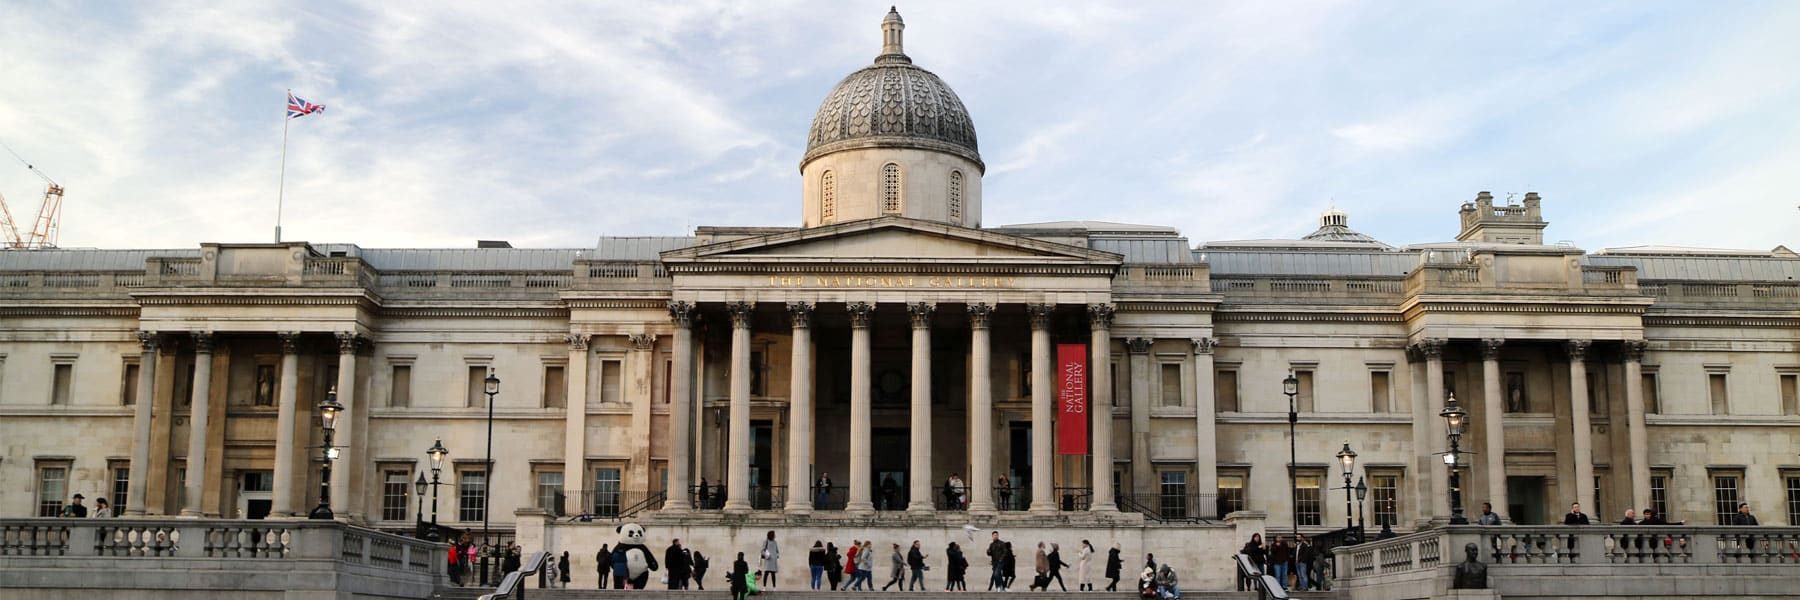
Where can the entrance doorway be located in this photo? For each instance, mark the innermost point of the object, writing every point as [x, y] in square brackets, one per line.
[890, 464]
[1525, 500]
[1018, 465]
[762, 464]
[256, 494]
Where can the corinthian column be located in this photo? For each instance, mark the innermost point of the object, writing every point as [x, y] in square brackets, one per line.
[981, 410]
[344, 483]
[1043, 411]
[199, 412]
[140, 425]
[861, 313]
[681, 407]
[1100, 318]
[1495, 426]
[737, 494]
[800, 410]
[287, 402]
[921, 479]
[1584, 430]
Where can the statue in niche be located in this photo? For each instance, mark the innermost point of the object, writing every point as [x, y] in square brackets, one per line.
[1515, 393]
[265, 385]
[1471, 574]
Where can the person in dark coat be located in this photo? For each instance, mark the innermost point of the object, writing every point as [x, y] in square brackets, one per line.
[996, 554]
[603, 563]
[1281, 560]
[740, 589]
[1010, 571]
[956, 566]
[1114, 564]
[1056, 567]
[915, 561]
[700, 565]
[1575, 516]
[1743, 516]
[834, 566]
[815, 560]
[1304, 555]
[513, 556]
[676, 559]
[562, 568]
[1254, 549]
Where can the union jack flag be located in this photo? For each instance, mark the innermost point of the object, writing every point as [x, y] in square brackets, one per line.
[299, 107]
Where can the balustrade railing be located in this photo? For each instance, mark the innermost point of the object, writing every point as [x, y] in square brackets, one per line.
[218, 539]
[1506, 546]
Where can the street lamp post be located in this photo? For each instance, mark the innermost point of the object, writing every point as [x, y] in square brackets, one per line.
[437, 454]
[1347, 457]
[419, 515]
[1455, 418]
[487, 467]
[1362, 491]
[328, 414]
[1291, 387]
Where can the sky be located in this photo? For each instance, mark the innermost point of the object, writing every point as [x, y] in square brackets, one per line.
[551, 124]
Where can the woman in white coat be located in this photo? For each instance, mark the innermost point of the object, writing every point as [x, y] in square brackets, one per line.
[771, 562]
[1082, 555]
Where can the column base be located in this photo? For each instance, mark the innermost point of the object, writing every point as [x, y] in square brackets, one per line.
[1104, 508]
[1042, 509]
[924, 511]
[736, 510]
[798, 510]
[191, 514]
[979, 508]
[860, 509]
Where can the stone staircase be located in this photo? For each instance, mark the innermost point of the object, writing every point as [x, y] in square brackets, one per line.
[581, 594]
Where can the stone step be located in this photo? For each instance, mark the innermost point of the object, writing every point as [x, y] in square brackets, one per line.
[460, 593]
[575, 594]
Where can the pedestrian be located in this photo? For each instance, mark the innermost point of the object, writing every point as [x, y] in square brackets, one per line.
[1012, 568]
[514, 555]
[74, 509]
[1005, 487]
[1165, 581]
[834, 565]
[550, 573]
[700, 499]
[700, 565]
[822, 491]
[949, 494]
[1743, 516]
[1255, 551]
[1487, 515]
[1304, 553]
[996, 554]
[603, 564]
[865, 565]
[915, 560]
[956, 568]
[480, 558]
[771, 562]
[102, 509]
[676, 559]
[455, 564]
[1114, 565]
[815, 560]
[562, 568]
[960, 492]
[890, 493]
[1082, 556]
[1630, 517]
[1041, 565]
[1651, 518]
[898, 564]
[1281, 559]
[739, 576]
[850, 564]
[1056, 567]
[1575, 516]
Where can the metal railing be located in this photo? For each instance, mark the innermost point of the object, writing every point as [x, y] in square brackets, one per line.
[1251, 578]
[1073, 498]
[1167, 508]
[513, 584]
[609, 504]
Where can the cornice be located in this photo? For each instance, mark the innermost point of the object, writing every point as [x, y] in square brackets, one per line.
[259, 297]
[1721, 321]
[659, 304]
[1165, 307]
[472, 312]
[1024, 267]
[68, 311]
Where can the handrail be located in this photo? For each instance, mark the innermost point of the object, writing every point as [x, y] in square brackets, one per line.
[513, 585]
[1130, 503]
[1248, 576]
[654, 499]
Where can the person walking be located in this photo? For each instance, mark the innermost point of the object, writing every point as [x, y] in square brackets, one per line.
[834, 565]
[455, 564]
[897, 562]
[865, 565]
[562, 568]
[1056, 567]
[676, 559]
[850, 565]
[1281, 560]
[915, 560]
[1114, 565]
[1012, 568]
[603, 564]
[1041, 564]
[1004, 486]
[771, 562]
[700, 565]
[739, 578]
[1082, 556]
[956, 568]
[996, 554]
[815, 560]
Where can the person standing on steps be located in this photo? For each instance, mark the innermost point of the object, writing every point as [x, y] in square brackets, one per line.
[1056, 567]
[676, 559]
[1281, 559]
[1004, 486]
[815, 561]
[562, 568]
[1114, 565]
[603, 563]
[834, 566]
[915, 559]
[1303, 561]
[739, 574]
[1082, 556]
[771, 557]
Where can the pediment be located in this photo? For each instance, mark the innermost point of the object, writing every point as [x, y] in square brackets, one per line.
[891, 238]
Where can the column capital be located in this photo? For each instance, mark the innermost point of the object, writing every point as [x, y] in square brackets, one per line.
[347, 341]
[1204, 345]
[1577, 349]
[578, 342]
[148, 340]
[980, 314]
[290, 342]
[920, 314]
[203, 342]
[1634, 350]
[1430, 348]
[1138, 345]
[861, 314]
[1490, 348]
[740, 313]
[1040, 314]
[1100, 315]
[646, 341]
[681, 312]
[800, 314]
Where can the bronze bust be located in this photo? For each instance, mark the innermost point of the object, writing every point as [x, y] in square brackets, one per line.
[1471, 574]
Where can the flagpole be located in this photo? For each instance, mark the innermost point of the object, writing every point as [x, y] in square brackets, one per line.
[281, 189]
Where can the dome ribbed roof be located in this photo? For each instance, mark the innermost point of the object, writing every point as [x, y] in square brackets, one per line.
[892, 103]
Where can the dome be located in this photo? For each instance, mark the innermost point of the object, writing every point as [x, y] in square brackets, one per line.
[892, 104]
[1334, 226]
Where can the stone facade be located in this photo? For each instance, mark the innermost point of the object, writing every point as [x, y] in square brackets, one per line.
[185, 382]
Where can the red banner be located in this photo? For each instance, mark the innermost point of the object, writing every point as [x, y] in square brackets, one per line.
[1071, 399]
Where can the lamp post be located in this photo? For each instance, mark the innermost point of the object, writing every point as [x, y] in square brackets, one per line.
[1347, 457]
[419, 515]
[328, 414]
[1291, 387]
[1362, 491]
[1455, 418]
[437, 454]
[487, 467]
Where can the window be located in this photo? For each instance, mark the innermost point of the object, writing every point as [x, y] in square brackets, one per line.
[1171, 384]
[1304, 401]
[1231, 491]
[53, 488]
[1384, 491]
[61, 378]
[400, 389]
[555, 388]
[609, 382]
[828, 197]
[1793, 498]
[1659, 494]
[956, 191]
[606, 492]
[128, 384]
[1307, 495]
[1717, 392]
[550, 492]
[1518, 399]
[890, 189]
[1726, 494]
[121, 486]
[1225, 390]
[477, 384]
[1790, 394]
[1173, 488]
[668, 377]
[394, 486]
[1381, 396]
[1599, 491]
[471, 492]
[1652, 398]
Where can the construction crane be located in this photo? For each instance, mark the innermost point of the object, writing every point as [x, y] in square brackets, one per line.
[45, 227]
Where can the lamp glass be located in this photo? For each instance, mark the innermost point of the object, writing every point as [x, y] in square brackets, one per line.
[1347, 457]
[419, 485]
[1290, 385]
[437, 453]
[1362, 490]
[493, 383]
[332, 453]
[328, 411]
[1450, 459]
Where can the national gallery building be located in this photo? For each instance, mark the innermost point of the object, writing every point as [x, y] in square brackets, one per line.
[917, 358]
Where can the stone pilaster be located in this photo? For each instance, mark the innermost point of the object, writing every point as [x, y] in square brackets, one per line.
[1206, 446]
[1638, 436]
[575, 477]
[345, 484]
[1143, 476]
[1433, 348]
[639, 365]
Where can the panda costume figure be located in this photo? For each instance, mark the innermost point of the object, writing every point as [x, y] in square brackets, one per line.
[632, 561]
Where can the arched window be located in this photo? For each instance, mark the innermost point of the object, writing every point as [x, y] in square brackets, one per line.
[956, 184]
[890, 189]
[827, 197]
